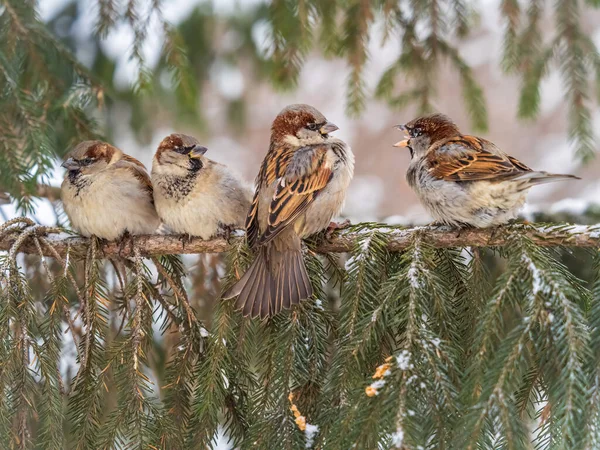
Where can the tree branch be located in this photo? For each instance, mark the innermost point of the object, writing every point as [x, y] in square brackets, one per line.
[51, 193]
[342, 241]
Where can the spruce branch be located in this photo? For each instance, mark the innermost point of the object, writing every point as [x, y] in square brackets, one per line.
[87, 402]
[545, 235]
[546, 331]
[593, 404]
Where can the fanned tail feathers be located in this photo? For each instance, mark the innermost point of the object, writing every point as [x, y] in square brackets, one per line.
[267, 288]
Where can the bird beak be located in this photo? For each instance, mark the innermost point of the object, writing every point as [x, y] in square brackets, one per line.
[197, 152]
[403, 143]
[70, 164]
[328, 128]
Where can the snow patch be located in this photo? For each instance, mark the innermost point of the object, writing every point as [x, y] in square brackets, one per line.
[403, 360]
[398, 438]
[310, 432]
[378, 384]
[537, 283]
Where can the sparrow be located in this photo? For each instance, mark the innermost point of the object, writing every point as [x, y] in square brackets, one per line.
[107, 193]
[193, 194]
[465, 180]
[300, 187]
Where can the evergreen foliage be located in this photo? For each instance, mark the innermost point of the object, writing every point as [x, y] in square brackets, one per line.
[418, 353]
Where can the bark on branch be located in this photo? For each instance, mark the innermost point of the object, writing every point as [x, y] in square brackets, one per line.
[51, 193]
[342, 241]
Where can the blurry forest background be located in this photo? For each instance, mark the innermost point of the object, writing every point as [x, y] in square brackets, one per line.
[230, 97]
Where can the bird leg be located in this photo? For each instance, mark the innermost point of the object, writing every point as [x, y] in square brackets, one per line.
[335, 226]
[225, 232]
[125, 239]
[185, 238]
[463, 227]
[437, 224]
[495, 231]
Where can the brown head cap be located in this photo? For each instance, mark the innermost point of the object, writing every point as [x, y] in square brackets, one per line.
[175, 141]
[97, 150]
[293, 118]
[436, 126]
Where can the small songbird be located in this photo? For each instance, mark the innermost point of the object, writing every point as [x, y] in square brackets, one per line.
[107, 193]
[465, 180]
[301, 186]
[194, 195]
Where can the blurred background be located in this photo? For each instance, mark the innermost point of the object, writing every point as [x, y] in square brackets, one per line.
[229, 102]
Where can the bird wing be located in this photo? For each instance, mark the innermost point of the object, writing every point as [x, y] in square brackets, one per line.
[299, 175]
[138, 170]
[469, 158]
[252, 228]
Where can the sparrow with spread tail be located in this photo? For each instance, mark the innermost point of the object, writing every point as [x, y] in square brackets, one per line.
[465, 180]
[194, 195]
[301, 186]
[107, 193]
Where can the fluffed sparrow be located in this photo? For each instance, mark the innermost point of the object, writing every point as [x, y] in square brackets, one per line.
[107, 193]
[465, 180]
[194, 195]
[300, 187]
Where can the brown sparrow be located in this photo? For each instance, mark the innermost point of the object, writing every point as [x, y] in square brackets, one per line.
[465, 180]
[107, 193]
[301, 185]
[194, 195]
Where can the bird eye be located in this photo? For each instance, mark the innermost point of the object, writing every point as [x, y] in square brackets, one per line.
[86, 161]
[313, 126]
[416, 132]
[182, 150]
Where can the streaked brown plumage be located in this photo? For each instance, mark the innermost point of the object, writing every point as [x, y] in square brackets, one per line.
[300, 187]
[107, 193]
[466, 180]
[193, 194]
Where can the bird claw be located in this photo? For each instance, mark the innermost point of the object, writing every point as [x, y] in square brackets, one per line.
[462, 228]
[125, 239]
[335, 226]
[494, 232]
[185, 238]
[225, 232]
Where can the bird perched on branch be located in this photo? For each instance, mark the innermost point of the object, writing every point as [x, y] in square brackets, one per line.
[301, 186]
[465, 180]
[107, 193]
[194, 195]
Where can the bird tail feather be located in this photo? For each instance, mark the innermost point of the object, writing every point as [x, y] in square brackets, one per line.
[266, 288]
[535, 178]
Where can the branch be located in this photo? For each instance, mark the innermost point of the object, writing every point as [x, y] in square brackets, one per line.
[51, 193]
[342, 241]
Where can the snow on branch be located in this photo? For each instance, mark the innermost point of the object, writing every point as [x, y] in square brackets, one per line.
[17, 236]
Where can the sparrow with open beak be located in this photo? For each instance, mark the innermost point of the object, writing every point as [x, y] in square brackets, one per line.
[465, 180]
[194, 195]
[301, 186]
[107, 193]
